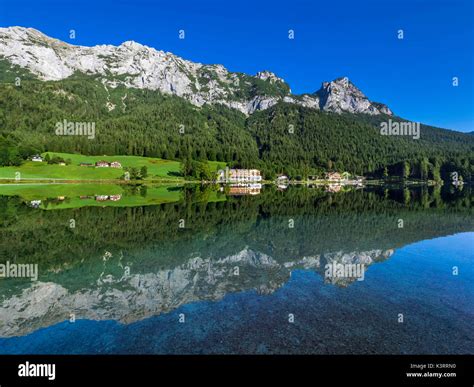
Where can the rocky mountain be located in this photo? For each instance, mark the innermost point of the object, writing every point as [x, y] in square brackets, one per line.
[341, 95]
[138, 66]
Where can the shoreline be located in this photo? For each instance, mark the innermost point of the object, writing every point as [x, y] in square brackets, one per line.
[322, 182]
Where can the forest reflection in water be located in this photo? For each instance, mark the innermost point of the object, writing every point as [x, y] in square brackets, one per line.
[130, 263]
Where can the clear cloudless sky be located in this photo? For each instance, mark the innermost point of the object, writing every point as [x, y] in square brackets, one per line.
[333, 38]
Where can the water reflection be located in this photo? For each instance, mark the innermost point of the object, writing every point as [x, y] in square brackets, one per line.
[130, 263]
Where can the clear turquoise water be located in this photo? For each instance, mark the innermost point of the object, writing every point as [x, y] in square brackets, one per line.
[417, 281]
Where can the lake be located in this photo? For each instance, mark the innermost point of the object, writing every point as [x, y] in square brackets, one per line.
[185, 270]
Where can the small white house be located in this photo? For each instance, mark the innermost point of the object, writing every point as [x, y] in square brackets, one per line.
[35, 203]
[37, 158]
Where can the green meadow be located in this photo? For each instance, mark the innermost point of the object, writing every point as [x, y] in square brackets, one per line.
[158, 169]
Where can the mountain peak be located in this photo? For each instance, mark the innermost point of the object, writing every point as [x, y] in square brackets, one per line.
[132, 44]
[135, 65]
[342, 84]
[341, 95]
[18, 30]
[268, 75]
[24, 34]
[342, 81]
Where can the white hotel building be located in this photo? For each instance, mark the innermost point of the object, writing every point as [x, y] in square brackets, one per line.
[239, 175]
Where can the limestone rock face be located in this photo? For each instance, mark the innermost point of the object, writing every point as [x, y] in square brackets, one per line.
[135, 65]
[341, 95]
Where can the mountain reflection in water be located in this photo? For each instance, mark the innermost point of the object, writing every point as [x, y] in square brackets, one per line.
[129, 264]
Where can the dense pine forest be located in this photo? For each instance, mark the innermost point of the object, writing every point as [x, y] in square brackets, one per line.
[284, 139]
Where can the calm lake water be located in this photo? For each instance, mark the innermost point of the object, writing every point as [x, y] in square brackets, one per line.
[302, 270]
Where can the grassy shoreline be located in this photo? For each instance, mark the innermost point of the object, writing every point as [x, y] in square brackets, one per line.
[182, 181]
[159, 171]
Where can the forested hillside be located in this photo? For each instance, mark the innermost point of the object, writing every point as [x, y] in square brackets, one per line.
[285, 138]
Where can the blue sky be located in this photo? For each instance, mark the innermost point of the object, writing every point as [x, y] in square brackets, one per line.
[334, 38]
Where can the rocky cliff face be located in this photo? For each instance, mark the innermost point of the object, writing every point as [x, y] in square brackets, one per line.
[341, 95]
[133, 297]
[135, 65]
